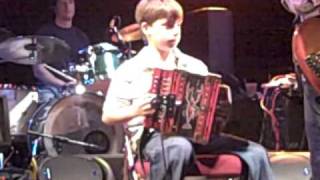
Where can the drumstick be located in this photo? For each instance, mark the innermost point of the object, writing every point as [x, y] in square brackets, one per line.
[54, 70]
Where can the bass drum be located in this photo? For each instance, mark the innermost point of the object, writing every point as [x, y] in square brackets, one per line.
[78, 117]
[73, 167]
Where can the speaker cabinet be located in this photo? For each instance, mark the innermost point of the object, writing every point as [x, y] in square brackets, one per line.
[290, 165]
[208, 35]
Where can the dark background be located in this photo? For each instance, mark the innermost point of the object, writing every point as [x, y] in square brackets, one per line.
[262, 29]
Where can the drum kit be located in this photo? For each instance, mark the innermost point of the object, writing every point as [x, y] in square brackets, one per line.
[72, 124]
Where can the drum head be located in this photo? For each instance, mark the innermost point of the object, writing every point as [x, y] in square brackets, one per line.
[70, 167]
[78, 117]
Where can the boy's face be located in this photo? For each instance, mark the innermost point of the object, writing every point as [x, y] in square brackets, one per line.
[163, 33]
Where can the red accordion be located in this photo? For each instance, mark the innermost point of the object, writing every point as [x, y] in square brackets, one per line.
[185, 103]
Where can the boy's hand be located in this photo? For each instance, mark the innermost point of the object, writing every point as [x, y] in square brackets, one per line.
[142, 106]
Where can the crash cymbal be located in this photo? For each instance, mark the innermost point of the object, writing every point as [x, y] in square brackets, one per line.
[31, 50]
[129, 33]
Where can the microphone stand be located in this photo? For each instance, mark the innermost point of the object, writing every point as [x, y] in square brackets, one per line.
[66, 140]
[125, 48]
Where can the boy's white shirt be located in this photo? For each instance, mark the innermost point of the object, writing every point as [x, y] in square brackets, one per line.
[132, 80]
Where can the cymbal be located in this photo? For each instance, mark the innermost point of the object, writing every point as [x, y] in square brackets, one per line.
[129, 33]
[30, 50]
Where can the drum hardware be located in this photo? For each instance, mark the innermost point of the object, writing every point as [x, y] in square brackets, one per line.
[60, 73]
[113, 29]
[13, 148]
[101, 57]
[97, 63]
[75, 167]
[16, 154]
[30, 50]
[14, 173]
[125, 36]
[66, 140]
[101, 65]
[100, 50]
[129, 33]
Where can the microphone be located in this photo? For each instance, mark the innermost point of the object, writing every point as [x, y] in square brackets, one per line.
[112, 22]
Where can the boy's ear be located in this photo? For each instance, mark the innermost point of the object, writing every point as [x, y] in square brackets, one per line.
[144, 28]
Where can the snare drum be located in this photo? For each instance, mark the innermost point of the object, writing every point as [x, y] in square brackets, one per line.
[77, 117]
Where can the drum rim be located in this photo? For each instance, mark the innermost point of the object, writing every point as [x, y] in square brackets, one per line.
[71, 158]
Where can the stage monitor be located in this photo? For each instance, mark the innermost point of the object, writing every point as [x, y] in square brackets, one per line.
[5, 139]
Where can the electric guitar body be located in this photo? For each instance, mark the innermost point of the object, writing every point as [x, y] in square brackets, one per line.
[306, 50]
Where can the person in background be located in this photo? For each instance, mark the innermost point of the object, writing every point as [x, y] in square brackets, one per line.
[303, 10]
[62, 27]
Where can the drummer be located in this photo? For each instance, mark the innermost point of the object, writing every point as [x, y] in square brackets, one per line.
[62, 28]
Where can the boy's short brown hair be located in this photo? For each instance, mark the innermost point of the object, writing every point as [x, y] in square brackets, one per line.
[151, 10]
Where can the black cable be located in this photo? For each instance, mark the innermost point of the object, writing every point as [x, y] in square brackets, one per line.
[163, 154]
[166, 119]
[161, 137]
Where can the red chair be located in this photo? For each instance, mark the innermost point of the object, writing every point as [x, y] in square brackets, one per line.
[210, 166]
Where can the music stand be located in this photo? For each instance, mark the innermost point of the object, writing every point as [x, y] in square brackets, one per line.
[5, 140]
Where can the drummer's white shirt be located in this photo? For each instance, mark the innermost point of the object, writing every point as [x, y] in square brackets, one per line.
[132, 80]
